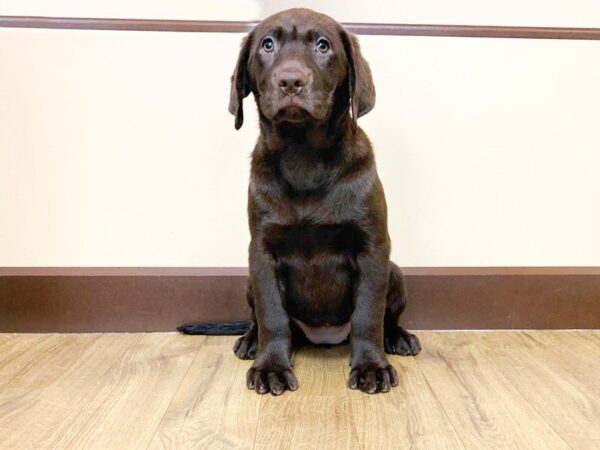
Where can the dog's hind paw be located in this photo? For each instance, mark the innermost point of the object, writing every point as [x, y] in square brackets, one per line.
[398, 341]
[245, 347]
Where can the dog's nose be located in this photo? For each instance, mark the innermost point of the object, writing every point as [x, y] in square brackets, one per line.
[292, 82]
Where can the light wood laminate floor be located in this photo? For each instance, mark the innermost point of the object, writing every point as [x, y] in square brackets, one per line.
[472, 390]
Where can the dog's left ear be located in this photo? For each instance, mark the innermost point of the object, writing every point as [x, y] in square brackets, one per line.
[360, 81]
[240, 84]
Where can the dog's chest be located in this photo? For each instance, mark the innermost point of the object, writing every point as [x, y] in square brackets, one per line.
[310, 240]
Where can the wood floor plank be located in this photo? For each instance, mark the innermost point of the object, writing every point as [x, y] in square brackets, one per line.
[409, 416]
[483, 406]
[127, 401]
[336, 417]
[34, 401]
[12, 345]
[572, 407]
[465, 390]
[574, 352]
[592, 336]
[588, 339]
[212, 407]
[318, 414]
[17, 351]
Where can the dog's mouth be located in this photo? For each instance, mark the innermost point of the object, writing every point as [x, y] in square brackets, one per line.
[294, 114]
[291, 110]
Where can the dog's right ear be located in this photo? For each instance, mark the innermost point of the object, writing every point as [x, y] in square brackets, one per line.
[240, 84]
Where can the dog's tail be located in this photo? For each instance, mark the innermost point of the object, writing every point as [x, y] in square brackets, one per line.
[217, 329]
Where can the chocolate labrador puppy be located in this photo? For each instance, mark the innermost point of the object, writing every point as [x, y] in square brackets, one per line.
[320, 251]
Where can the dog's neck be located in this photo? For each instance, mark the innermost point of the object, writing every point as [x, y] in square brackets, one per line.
[307, 158]
[324, 138]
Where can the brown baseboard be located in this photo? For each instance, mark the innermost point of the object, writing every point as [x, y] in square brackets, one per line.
[158, 299]
[229, 26]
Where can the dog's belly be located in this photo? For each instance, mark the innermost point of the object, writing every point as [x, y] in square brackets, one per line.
[325, 334]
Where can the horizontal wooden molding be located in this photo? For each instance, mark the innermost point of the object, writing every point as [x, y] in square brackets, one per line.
[217, 26]
[243, 271]
[129, 299]
[122, 271]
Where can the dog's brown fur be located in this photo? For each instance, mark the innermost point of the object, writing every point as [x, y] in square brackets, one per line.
[320, 249]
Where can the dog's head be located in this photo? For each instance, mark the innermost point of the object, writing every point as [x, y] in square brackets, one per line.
[301, 65]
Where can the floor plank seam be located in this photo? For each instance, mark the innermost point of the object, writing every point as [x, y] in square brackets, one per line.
[28, 366]
[24, 368]
[518, 392]
[439, 402]
[347, 391]
[175, 393]
[85, 394]
[259, 415]
[567, 368]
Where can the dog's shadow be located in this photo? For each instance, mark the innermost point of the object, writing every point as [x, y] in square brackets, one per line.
[323, 351]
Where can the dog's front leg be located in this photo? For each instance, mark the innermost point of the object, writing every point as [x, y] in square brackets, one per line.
[272, 368]
[370, 370]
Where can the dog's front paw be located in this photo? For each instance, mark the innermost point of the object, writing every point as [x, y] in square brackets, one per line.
[373, 377]
[272, 378]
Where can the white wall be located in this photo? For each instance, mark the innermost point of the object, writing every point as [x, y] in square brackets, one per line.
[116, 149]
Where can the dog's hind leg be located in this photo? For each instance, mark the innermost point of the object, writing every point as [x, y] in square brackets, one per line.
[245, 347]
[397, 340]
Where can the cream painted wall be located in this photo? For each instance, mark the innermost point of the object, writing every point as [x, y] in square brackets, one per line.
[573, 13]
[116, 149]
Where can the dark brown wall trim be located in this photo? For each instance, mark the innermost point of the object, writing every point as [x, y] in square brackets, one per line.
[110, 299]
[122, 271]
[243, 271]
[387, 29]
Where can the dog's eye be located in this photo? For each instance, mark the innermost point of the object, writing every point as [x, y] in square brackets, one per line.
[323, 45]
[268, 45]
